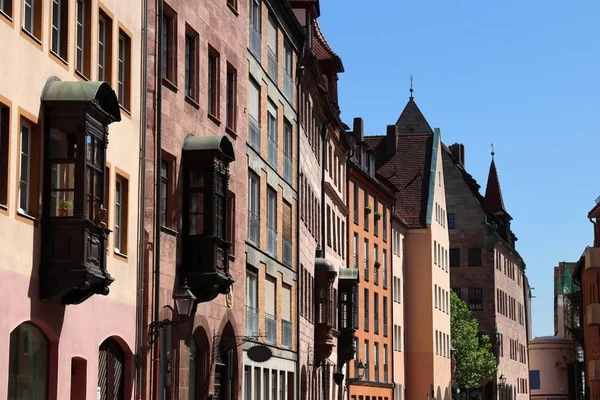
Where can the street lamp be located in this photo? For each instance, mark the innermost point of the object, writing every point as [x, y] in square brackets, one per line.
[185, 301]
[360, 373]
[500, 384]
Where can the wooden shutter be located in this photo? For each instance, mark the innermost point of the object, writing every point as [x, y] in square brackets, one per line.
[270, 295]
[286, 303]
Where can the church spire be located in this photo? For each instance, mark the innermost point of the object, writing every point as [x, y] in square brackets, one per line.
[493, 202]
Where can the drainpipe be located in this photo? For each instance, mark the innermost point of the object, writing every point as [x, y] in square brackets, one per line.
[299, 77]
[157, 158]
[139, 330]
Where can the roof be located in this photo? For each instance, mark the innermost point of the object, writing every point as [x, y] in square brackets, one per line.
[209, 143]
[493, 203]
[323, 50]
[468, 178]
[412, 120]
[89, 91]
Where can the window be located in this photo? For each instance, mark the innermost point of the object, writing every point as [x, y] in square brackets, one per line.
[355, 250]
[385, 316]
[367, 210]
[59, 28]
[286, 316]
[255, 24]
[220, 205]
[475, 257]
[272, 222]
[254, 114]
[376, 315]
[164, 191]
[272, 133]
[455, 257]
[111, 370]
[366, 307]
[121, 197]
[366, 256]
[168, 45]
[376, 269]
[375, 219]
[451, 223]
[273, 66]
[270, 309]
[4, 147]
[32, 17]
[475, 299]
[287, 233]
[288, 83]
[253, 208]
[25, 167]
[376, 355]
[384, 223]
[367, 366]
[251, 303]
[6, 7]
[287, 151]
[83, 35]
[213, 82]
[231, 98]
[355, 185]
[28, 363]
[384, 265]
[232, 4]
[191, 63]
[104, 47]
[124, 83]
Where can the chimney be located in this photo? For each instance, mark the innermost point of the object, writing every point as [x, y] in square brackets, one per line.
[391, 140]
[458, 151]
[358, 129]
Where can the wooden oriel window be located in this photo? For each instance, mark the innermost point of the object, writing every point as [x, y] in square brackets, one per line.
[59, 28]
[213, 82]
[83, 46]
[104, 47]
[4, 153]
[124, 70]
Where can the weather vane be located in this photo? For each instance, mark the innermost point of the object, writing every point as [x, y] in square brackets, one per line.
[411, 86]
[493, 145]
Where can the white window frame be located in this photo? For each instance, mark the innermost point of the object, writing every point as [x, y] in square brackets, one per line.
[121, 70]
[101, 47]
[31, 4]
[118, 213]
[56, 8]
[80, 39]
[28, 177]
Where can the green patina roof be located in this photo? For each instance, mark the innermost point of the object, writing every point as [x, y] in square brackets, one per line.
[324, 264]
[349, 273]
[70, 91]
[216, 143]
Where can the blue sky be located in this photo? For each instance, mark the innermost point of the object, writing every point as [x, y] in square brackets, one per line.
[521, 74]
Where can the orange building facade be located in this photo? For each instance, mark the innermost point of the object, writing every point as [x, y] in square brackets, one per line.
[369, 222]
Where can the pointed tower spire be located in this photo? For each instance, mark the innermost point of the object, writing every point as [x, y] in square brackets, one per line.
[493, 202]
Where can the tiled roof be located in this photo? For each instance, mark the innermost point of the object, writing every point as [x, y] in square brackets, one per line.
[493, 203]
[412, 120]
[322, 49]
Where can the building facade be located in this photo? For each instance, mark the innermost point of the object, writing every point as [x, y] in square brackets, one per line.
[399, 301]
[409, 158]
[275, 40]
[550, 357]
[370, 235]
[69, 125]
[196, 176]
[486, 270]
[586, 276]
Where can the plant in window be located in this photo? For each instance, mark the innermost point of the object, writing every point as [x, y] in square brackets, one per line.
[368, 209]
[377, 264]
[65, 207]
[377, 215]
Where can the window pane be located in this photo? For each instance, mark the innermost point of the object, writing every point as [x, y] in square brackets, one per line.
[28, 363]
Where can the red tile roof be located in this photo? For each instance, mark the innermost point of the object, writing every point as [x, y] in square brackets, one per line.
[322, 49]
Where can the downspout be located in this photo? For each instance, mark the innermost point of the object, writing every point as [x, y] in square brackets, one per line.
[157, 158]
[299, 77]
[139, 329]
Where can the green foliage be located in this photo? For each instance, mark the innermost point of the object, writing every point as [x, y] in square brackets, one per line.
[475, 360]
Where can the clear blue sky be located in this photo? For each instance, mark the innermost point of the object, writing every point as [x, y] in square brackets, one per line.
[521, 74]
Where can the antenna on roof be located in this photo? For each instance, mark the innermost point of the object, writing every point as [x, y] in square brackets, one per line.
[493, 145]
[411, 87]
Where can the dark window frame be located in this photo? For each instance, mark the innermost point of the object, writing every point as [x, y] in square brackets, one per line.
[451, 220]
[231, 98]
[454, 258]
[475, 299]
[474, 257]
[214, 79]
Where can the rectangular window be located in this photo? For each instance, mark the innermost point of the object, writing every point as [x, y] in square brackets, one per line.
[255, 25]
[251, 304]
[385, 223]
[213, 82]
[366, 307]
[384, 268]
[4, 146]
[287, 151]
[367, 366]
[83, 35]
[355, 184]
[231, 98]
[376, 309]
[168, 45]
[376, 269]
[475, 299]
[367, 210]
[25, 167]
[121, 212]
[288, 83]
[454, 257]
[253, 208]
[164, 191]
[272, 222]
[191, 63]
[32, 17]
[124, 83]
[385, 316]
[233, 5]
[375, 219]
[104, 47]
[451, 223]
[273, 66]
[59, 28]
[475, 257]
[272, 133]
[355, 250]
[6, 7]
[254, 114]
[366, 257]
[287, 233]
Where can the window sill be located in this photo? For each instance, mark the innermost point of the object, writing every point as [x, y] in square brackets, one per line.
[125, 110]
[8, 18]
[59, 58]
[3, 207]
[169, 231]
[233, 9]
[231, 133]
[119, 254]
[193, 102]
[80, 75]
[170, 85]
[31, 37]
[214, 119]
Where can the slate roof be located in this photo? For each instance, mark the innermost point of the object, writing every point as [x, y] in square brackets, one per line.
[412, 120]
[493, 203]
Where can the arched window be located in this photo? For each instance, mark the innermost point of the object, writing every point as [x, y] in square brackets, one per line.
[28, 363]
[111, 371]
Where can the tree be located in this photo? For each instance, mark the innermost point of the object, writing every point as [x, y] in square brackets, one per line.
[475, 359]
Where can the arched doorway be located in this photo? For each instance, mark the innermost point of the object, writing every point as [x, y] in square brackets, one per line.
[111, 371]
[199, 367]
[226, 366]
[28, 363]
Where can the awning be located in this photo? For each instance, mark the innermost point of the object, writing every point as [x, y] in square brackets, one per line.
[349, 274]
[69, 91]
[209, 143]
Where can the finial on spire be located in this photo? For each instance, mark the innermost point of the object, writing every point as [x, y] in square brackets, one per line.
[411, 87]
[493, 145]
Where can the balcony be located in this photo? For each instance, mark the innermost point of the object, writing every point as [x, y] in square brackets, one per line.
[271, 241]
[271, 327]
[287, 169]
[287, 253]
[253, 228]
[273, 66]
[254, 133]
[251, 321]
[376, 372]
[594, 370]
[255, 42]
[593, 314]
[592, 259]
[286, 334]
[288, 88]
[376, 323]
[272, 150]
